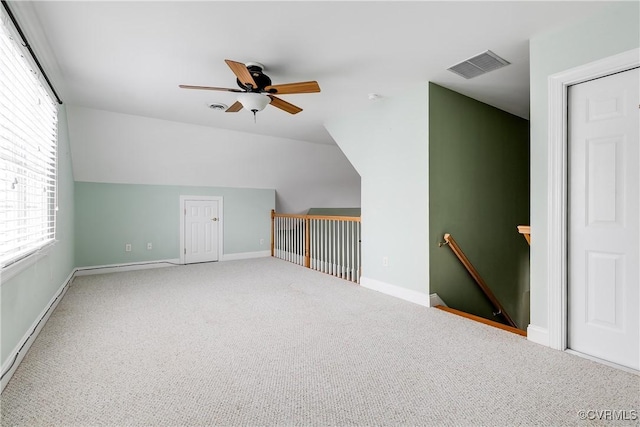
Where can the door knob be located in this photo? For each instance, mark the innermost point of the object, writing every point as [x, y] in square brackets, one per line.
[214, 219]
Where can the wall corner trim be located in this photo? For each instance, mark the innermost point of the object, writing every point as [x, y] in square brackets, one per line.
[14, 358]
[245, 255]
[538, 335]
[396, 291]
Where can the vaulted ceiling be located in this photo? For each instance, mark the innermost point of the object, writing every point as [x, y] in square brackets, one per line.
[130, 57]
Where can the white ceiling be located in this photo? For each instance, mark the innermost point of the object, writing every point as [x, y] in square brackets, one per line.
[130, 57]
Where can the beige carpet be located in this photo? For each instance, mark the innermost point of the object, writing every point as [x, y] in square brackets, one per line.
[265, 342]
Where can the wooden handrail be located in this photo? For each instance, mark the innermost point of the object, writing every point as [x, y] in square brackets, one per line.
[280, 215]
[327, 217]
[450, 241]
[525, 230]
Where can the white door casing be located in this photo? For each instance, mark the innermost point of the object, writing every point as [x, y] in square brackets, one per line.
[604, 219]
[201, 226]
[554, 333]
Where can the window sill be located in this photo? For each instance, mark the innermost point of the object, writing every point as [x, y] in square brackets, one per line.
[26, 262]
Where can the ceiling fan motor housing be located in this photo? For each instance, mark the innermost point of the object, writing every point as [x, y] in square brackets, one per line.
[261, 79]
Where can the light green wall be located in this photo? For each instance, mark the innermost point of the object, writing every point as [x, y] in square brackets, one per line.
[614, 29]
[108, 216]
[388, 145]
[24, 297]
[479, 193]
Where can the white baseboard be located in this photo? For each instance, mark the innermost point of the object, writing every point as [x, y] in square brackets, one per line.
[538, 335]
[246, 255]
[396, 291]
[116, 268]
[15, 357]
[434, 300]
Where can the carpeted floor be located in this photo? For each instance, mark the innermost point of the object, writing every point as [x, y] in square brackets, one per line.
[265, 342]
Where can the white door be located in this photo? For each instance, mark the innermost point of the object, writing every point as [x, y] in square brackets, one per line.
[604, 219]
[200, 231]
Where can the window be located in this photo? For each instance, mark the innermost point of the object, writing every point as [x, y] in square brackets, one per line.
[28, 139]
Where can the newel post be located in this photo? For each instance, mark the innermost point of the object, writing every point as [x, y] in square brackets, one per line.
[273, 214]
[307, 243]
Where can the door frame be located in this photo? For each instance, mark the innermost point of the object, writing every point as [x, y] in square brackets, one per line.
[219, 199]
[557, 196]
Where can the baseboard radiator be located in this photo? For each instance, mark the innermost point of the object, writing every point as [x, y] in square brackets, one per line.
[329, 244]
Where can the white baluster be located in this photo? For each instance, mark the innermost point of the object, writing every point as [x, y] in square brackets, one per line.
[333, 247]
[358, 263]
[277, 237]
[347, 260]
[354, 249]
[325, 246]
[340, 248]
[329, 246]
[308, 224]
[300, 229]
[290, 238]
[315, 243]
[344, 250]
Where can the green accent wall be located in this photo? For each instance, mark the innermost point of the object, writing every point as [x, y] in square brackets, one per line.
[26, 295]
[479, 193]
[108, 216]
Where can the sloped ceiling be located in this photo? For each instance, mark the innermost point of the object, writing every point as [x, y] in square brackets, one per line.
[130, 57]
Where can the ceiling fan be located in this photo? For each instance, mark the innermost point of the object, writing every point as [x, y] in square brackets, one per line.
[256, 90]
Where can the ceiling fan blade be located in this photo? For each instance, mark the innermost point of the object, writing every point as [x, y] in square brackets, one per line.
[287, 88]
[235, 107]
[241, 72]
[224, 89]
[284, 105]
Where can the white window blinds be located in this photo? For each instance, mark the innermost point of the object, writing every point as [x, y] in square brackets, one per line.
[28, 139]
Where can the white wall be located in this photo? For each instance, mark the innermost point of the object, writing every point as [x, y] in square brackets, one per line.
[388, 146]
[119, 148]
[613, 30]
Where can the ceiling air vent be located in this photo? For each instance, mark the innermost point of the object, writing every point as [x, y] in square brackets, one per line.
[478, 65]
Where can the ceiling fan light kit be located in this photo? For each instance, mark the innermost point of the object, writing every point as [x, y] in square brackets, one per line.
[256, 90]
[253, 101]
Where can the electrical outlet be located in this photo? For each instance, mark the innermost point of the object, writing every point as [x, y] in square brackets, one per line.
[149, 246]
[127, 247]
[385, 261]
[262, 241]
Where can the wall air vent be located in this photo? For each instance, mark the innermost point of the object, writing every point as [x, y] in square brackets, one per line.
[478, 65]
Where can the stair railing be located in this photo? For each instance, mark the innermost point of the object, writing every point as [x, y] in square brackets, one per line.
[499, 309]
[329, 244]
